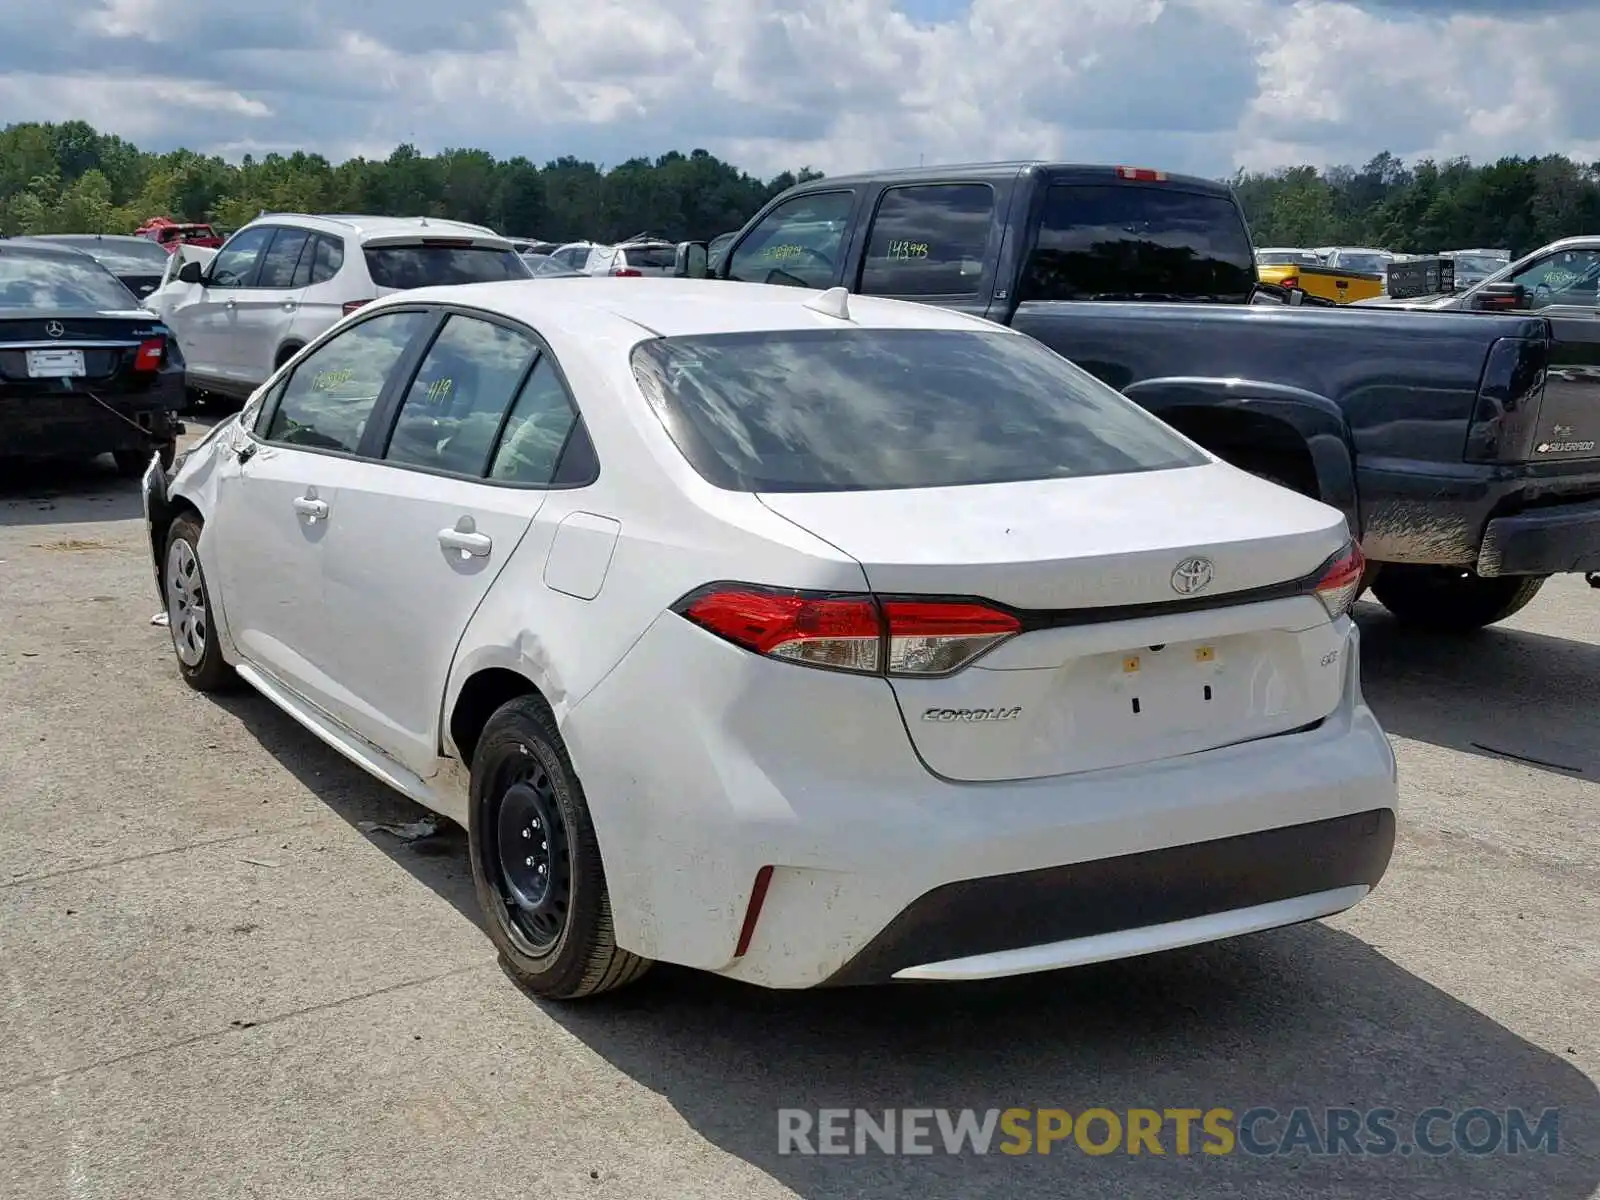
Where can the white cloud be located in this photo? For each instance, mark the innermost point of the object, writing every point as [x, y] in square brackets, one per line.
[1200, 85]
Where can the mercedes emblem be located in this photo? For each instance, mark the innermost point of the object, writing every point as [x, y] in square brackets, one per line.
[54, 328]
[1191, 576]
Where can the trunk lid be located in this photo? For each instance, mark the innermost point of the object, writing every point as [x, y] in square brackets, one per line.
[1155, 673]
[51, 352]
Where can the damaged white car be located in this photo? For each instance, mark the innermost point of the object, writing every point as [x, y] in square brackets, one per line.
[805, 639]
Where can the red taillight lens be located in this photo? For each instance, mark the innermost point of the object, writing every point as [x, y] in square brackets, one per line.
[351, 305]
[1341, 581]
[850, 632]
[149, 354]
[1143, 174]
[629, 272]
[1290, 281]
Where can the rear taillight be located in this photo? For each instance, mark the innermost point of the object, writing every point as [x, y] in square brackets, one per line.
[1341, 581]
[851, 632]
[627, 272]
[1143, 174]
[149, 354]
[1291, 281]
[351, 305]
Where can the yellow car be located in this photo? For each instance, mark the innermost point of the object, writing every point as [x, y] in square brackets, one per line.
[1347, 276]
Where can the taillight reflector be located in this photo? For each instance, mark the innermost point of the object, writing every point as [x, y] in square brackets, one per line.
[149, 354]
[629, 272]
[351, 305]
[1144, 174]
[850, 632]
[1342, 580]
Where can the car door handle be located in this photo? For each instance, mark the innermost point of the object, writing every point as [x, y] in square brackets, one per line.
[309, 506]
[289, 306]
[231, 302]
[471, 545]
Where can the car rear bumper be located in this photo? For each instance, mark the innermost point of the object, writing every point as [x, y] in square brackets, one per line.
[1544, 541]
[881, 870]
[76, 424]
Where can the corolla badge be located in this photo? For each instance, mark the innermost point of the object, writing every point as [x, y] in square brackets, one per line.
[54, 328]
[1192, 576]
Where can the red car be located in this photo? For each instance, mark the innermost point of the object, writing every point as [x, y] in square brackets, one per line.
[171, 234]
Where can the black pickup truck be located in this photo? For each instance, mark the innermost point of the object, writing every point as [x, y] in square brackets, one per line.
[1460, 446]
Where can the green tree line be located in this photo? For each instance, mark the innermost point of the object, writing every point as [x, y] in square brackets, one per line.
[1517, 204]
[70, 178]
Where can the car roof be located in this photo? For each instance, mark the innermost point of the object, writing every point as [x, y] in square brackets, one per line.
[371, 226]
[71, 239]
[35, 247]
[1059, 172]
[614, 307]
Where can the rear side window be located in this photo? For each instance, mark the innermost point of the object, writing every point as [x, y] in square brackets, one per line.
[458, 401]
[320, 261]
[279, 262]
[929, 241]
[334, 390]
[432, 265]
[51, 281]
[865, 409]
[537, 431]
[1133, 242]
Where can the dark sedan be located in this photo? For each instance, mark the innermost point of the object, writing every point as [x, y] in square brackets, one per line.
[84, 371]
[138, 262]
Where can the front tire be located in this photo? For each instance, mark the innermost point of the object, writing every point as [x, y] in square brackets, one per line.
[1452, 599]
[194, 634]
[536, 861]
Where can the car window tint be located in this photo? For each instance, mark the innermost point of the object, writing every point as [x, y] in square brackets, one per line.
[929, 241]
[435, 265]
[1566, 278]
[1136, 242]
[327, 259]
[235, 264]
[798, 243]
[458, 400]
[864, 409]
[333, 391]
[531, 446]
[282, 257]
[59, 281]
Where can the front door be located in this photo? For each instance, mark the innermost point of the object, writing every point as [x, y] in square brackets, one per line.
[206, 321]
[279, 501]
[422, 535]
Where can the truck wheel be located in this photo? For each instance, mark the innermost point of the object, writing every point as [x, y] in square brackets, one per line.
[1451, 599]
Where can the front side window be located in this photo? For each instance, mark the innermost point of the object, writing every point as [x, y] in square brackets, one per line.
[282, 257]
[931, 240]
[235, 264]
[537, 431]
[799, 243]
[458, 400]
[868, 409]
[332, 393]
[1565, 278]
[1139, 242]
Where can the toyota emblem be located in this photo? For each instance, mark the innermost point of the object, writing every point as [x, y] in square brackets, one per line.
[54, 328]
[1191, 576]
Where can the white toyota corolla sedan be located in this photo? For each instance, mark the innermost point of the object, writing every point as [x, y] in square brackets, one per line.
[802, 638]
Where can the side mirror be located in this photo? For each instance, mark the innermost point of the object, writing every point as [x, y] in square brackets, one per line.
[692, 261]
[1499, 297]
[190, 272]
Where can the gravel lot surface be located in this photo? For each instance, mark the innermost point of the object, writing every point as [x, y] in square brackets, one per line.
[214, 984]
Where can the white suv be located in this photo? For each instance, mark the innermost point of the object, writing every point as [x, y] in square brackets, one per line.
[284, 279]
[632, 259]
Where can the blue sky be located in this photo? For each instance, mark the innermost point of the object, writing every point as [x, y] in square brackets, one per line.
[1190, 85]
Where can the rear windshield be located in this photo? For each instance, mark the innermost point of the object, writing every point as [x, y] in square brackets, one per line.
[59, 282]
[1364, 264]
[1135, 242]
[868, 409]
[652, 258]
[431, 266]
[1279, 258]
[124, 258]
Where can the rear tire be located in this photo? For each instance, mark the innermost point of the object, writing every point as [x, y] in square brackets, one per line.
[1452, 599]
[195, 642]
[536, 862]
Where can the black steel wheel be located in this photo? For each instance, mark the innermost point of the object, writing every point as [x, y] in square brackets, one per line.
[536, 862]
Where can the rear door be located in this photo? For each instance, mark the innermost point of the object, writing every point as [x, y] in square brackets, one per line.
[430, 518]
[326, 287]
[267, 308]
